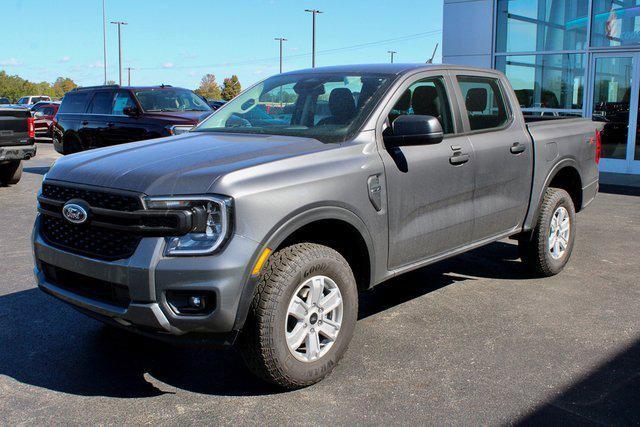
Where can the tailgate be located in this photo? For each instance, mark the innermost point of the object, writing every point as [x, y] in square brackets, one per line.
[14, 128]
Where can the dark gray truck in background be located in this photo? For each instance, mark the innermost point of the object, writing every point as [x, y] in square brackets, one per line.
[263, 232]
[17, 143]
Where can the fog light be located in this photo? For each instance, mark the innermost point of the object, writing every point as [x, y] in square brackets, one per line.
[191, 303]
[196, 302]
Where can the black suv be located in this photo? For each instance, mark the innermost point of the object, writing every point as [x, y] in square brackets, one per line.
[99, 116]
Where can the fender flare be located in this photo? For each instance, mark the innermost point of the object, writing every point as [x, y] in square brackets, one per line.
[288, 226]
[533, 210]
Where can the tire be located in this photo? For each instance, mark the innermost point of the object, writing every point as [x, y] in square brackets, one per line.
[71, 145]
[291, 272]
[11, 172]
[536, 251]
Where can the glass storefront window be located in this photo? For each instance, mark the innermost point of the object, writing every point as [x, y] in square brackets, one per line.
[541, 25]
[615, 23]
[553, 81]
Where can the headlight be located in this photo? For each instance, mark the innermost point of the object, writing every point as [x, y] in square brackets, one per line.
[211, 223]
[179, 129]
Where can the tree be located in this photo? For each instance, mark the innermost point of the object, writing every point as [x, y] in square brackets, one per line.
[231, 88]
[111, 82]
[63, 85]
[14, 87]
[209, 87]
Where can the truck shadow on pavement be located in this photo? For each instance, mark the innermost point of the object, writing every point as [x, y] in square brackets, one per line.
[46, 343]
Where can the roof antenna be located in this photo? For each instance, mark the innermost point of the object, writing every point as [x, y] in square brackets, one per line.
[430, 60]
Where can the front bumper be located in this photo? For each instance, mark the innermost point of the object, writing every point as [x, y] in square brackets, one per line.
[17, 152]
[148, 275]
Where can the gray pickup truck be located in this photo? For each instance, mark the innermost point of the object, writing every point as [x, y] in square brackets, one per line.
[262, 232]
[17, 143]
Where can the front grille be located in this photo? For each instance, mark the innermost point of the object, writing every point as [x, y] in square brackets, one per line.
[89, 287]
[97, 198]
[89, 240]
[94, 242]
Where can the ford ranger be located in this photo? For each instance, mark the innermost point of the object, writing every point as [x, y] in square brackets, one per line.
[263, 232]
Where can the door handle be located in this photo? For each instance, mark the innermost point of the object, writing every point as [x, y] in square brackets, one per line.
[85, 122]
[517, 148]
[459, 159]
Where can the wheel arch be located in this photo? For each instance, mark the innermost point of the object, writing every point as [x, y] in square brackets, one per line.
[334, 226]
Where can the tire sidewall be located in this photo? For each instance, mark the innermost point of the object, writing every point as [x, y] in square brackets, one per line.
[561, 199]
[310, 372]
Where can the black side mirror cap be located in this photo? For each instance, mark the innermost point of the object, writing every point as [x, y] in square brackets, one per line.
[415, 130]
[131, 111]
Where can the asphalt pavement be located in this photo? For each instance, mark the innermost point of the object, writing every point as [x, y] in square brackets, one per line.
[471, 340]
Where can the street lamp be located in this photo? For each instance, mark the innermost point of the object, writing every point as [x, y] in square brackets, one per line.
[104, 38]
[392, 52]
[129, 75]
[313, 12]
[280, 39]
[119, 24]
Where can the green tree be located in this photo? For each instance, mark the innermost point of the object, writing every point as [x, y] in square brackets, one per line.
[209, 87]
[231, 88]
[15, 87]
[63, 85]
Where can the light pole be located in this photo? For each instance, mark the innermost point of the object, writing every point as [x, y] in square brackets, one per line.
[280, 39]
[104, 38]
[313, 12]
[129, 75]
[391, 52]
[119, 24]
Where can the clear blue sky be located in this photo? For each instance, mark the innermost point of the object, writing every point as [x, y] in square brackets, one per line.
[178, 41]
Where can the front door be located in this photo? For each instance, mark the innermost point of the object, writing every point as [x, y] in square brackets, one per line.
[614, 101]
[430, 187]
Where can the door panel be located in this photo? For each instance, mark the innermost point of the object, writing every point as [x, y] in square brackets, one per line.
[430, 187]
[504, 156]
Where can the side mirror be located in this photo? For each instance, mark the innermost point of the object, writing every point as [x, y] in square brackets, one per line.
[38, 114]
[131, 111]
[415, 130]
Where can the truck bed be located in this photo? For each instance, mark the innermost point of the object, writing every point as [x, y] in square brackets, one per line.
[14, 128]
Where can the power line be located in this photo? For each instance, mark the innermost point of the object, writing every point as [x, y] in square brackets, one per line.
[302, 55]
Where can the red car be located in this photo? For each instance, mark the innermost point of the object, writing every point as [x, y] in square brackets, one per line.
[43, 113]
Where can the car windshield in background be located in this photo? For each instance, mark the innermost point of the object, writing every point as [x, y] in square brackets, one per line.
[327, 107]
[170, 100]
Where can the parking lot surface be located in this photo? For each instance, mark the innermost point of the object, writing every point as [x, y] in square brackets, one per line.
[473, 339]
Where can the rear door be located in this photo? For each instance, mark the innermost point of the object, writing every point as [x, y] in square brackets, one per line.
[429, 187]
[98, 117]
[503, 153]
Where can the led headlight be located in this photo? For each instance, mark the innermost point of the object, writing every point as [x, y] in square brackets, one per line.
[211, 216]
[179, 129]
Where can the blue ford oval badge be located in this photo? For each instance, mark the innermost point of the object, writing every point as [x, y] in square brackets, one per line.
[75, 213]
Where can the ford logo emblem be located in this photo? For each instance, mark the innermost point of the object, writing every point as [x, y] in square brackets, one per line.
[75, 213]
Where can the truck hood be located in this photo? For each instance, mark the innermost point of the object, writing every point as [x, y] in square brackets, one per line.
[185, 164]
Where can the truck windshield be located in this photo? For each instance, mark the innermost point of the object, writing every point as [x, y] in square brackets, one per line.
[328, 107]
[170, 100]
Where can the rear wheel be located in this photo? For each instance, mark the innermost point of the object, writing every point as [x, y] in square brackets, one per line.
[71, 145]
[302, 317]
[11, 172]
[549, 247]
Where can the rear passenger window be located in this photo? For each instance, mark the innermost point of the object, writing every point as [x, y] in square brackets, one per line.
[486, 107]
[425, 97]
[101, 103]
[74, 102]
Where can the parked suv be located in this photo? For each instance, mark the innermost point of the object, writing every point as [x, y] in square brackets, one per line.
[263, 231]
[99, 116]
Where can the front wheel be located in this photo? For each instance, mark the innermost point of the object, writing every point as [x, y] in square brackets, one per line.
[549, 247]
[302, 317]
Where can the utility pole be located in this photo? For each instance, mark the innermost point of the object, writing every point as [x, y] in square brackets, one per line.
[313, 12]
[129, 75]
[280, 39]
[392, 52]
[119, 24]
[104, 38]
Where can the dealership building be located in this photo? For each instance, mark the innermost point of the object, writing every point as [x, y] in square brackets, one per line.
[563, 57]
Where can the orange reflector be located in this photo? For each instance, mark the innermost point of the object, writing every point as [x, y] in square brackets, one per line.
[261, 260]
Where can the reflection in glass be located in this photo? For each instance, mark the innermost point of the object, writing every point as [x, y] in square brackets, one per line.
[615, 23]
[546, 81]
[541, 25]
[611, 101]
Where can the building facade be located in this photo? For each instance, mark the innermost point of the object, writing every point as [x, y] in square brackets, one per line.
[563, 57]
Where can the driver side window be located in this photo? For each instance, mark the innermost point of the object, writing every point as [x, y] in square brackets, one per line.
[425, 97]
